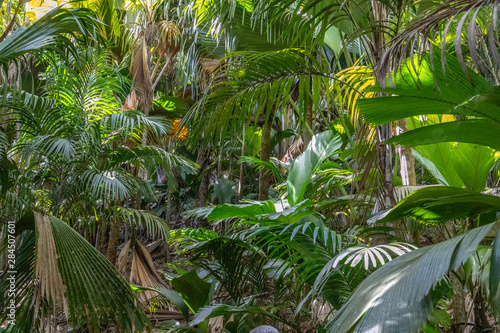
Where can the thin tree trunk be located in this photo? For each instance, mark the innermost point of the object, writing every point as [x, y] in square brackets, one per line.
[167, 62]
[204, 184]
[480, 311]
[241, 181]
[384, 153]
[101, 241]
[407, 168]
[157, 65]
[384, 132]
[114, 238]
[219, 159]
[265, 154]
[406, 159]
[458, 303]
[11, 24]
[308, 132]
[287, 126]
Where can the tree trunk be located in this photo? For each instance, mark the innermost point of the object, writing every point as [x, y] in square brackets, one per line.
[265, 154]
[407, 168]
[204, 184]
[480, 311]
[384, 132]
[308, 132]
[101, 240]
[241, 181]
[114, 238]
[219, 158]
[384, 154]
[458, 303]
[406, 159]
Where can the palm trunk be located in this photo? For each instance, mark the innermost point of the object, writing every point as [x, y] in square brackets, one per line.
[265, 154]
[114, 238]
[407, 168]
[458, 304]
[204, 184]
[406, 159]
[384, 154]
[219, 158]
[101, 241]
[384, 132]
[241, 181]
[308, 132]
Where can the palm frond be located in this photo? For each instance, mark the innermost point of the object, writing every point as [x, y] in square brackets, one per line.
[270, 166]
[47, 32]
[383, 303]
[443, 19]
[155, 226]
[442, 203]
[71, 273]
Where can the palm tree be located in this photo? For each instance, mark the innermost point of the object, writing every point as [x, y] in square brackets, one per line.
[466, 111]
[71, 157]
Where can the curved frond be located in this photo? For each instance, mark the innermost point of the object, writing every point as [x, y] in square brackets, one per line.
[397, 297]
[47, 32]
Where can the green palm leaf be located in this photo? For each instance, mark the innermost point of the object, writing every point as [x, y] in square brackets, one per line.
[442, 203]
[422, 91]
[321, 147]
[75, 279]
[48, 31]
[397, 297]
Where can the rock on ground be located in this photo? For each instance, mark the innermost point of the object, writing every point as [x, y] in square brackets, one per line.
[264, 329]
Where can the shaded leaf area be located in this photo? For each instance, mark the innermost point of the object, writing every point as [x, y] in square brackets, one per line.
[398, 296]
[264, 79]
[440, 204]
[291, 245]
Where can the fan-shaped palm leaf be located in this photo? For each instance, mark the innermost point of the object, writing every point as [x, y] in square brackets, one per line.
[86, 285]
[397, 297]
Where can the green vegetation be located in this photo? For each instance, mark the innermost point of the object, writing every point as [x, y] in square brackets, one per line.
[213, 166]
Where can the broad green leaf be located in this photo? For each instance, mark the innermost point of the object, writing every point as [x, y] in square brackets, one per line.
[443, 203]
[172, 107]
[224, 190]
[241, 211]
[397, 297]
[175, 298]
[223, 309]
[193, 290]
[419, 91]
[473, 164]
[321, 147]
[95, 290]
[450, 174]
[475, 131]
[333, 40]
[455, 164]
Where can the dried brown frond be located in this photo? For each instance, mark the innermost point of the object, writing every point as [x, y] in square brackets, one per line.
[143, 271]
[50, 286]
[141, 75]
